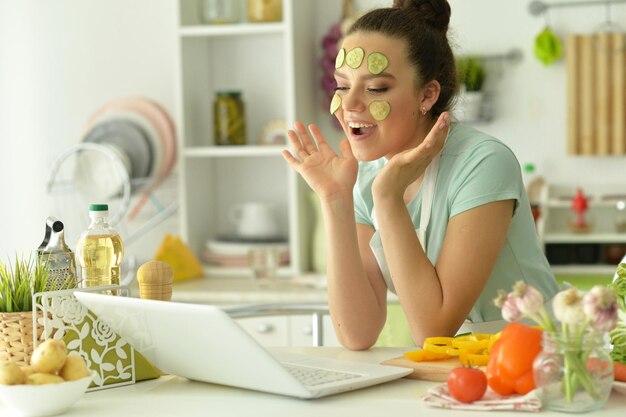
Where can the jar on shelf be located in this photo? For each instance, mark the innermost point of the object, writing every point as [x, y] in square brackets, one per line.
[229, 119]
[573, 374]
[219, 11]
[265, 10]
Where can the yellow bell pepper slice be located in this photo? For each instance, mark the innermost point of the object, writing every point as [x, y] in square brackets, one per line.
[473, 359]
[424, 355]
[437, 344]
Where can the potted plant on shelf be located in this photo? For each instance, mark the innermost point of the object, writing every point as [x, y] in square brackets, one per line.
[19, 280]
[472, 75]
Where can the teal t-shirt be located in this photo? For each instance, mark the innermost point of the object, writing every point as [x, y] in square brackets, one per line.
[474, 169]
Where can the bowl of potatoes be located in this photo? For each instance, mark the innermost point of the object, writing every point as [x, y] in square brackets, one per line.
[53, 382]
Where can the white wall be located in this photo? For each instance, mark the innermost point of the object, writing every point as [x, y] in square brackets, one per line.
[59, 62]
[62, 59]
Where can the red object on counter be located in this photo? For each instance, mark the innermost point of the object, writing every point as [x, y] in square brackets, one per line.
[467, 384]
[580, 206]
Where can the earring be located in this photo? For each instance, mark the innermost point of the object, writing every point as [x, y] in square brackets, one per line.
[424, 110]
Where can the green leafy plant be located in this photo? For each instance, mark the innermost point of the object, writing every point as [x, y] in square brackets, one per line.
[19, 280]
[618, 335]
[471, 73]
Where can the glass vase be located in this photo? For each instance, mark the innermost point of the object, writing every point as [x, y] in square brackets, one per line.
[573, 374]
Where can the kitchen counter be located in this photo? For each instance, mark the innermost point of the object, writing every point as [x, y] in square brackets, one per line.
[243, 291]
[173, 396]
[236, 290]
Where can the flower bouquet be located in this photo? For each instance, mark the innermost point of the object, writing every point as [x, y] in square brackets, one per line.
[574, 371]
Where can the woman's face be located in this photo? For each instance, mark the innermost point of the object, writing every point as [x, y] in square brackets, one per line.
[404, 126]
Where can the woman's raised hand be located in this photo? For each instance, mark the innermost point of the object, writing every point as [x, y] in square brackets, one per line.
[326, 172]
[407, 166]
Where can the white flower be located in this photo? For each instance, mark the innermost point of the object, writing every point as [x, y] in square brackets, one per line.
[102, 333]
[600, 306]
[529, 299]
[568, 307]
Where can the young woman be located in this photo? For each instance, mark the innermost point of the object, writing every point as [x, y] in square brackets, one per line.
[445, 201]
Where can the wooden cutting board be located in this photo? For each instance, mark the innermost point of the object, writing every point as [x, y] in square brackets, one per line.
[428, 371]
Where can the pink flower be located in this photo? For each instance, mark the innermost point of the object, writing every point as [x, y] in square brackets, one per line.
[600, 307]
[529, 299]
[509, 305]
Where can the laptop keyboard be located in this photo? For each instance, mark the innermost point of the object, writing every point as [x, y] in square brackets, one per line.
[317, 376]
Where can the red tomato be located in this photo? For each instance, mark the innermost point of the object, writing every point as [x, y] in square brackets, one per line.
[467, 384]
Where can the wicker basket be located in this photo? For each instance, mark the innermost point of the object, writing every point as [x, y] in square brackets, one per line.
[16, 337]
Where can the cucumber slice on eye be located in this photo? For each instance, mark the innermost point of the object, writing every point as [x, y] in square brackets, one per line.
[335, 103]
[354, 58]
[376, 63]
[341, 57]
[379, 109]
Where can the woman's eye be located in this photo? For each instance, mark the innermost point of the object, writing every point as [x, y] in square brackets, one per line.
[377, 90]
[338, 88]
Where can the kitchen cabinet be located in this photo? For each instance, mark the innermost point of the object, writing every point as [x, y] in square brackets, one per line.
[272, 65]
[594, 252]
[294, 330]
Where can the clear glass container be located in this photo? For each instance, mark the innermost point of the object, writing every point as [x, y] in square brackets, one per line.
[265, 10]
[220, 11]
[100, 250]
[229, 119]
[574, 374]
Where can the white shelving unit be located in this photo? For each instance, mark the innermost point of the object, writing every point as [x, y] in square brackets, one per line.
[272, 64]
[602, 214]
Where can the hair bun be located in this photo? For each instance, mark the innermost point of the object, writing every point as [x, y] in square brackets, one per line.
[434, 12]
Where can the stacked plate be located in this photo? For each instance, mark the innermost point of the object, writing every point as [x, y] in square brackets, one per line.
[136, 130]
[233, 254]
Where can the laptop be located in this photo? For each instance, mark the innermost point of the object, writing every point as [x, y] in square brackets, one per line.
[203, 343]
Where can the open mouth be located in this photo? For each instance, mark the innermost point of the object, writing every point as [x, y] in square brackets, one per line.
[358, 129]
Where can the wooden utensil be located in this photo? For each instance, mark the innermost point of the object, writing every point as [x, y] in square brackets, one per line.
[436, 371]
[155, 280]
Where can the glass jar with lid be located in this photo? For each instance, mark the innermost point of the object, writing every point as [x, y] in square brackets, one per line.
[265, 10]
[219, 11]
[229, 119]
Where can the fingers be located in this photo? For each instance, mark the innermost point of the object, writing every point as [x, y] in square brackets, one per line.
[346, 149]
[319, 138]
[303, 134]
[293, 162]
[294, 139]
[439, 131]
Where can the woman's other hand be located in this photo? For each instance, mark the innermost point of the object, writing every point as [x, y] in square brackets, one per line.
[406, 167]
[326, 172]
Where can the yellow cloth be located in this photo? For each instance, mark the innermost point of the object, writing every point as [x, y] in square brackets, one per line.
[177, 254]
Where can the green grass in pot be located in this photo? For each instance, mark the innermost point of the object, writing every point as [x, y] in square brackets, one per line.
[471, 73]
[19, 280]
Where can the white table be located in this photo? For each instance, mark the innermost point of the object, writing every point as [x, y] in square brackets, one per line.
[174, 396]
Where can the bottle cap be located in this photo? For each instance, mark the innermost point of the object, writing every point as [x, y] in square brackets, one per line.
[98, 207]
[228, 94]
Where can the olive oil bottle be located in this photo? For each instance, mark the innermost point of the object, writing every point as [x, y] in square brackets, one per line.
[100, 250]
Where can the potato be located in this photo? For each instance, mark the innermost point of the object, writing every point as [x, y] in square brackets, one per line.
[49, 356]
[11, 374]
[74, 368]
[41, 378]
[27, 371]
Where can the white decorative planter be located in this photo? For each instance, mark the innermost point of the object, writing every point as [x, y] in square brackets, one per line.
[470, 106]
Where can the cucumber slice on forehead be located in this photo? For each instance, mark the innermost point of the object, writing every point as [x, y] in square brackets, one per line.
[335, 103]
[354, 57]
[379, 109]
[376, 63]
[341, 57]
